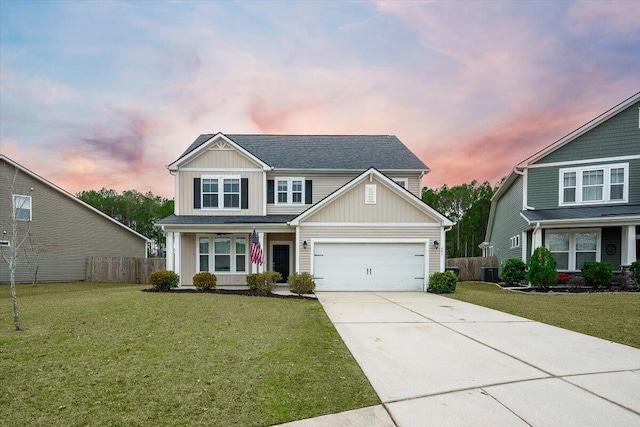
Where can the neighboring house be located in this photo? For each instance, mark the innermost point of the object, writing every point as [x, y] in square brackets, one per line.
[579, 197]
[63, 230]
[344, 208]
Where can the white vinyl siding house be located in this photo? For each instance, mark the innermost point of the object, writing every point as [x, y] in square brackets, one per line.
[308, 198]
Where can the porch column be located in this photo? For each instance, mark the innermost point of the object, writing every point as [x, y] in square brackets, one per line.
[169, 251]
[537, 239]
[264, 253]
[176, 266]
[628, 244]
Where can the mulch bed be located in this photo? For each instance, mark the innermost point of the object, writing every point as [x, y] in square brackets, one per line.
[578, 290]
[243, 292]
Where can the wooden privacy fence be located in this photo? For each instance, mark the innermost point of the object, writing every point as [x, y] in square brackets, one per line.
[470, 267]
[122, 269]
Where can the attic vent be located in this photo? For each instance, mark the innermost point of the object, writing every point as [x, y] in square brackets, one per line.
[5, 243]
[370, 194]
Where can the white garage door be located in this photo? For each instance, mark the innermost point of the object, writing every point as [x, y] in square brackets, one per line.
[369, 266]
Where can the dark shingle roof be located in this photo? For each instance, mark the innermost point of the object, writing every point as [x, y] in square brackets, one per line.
[216, 220]
[355, 152]
[591, 212]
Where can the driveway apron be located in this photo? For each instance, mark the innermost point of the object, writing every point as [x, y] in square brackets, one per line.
[435, 361]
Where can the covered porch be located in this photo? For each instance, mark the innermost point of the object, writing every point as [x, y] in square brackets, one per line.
[222, 245]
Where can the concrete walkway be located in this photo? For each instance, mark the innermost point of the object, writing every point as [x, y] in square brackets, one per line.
[435, 361]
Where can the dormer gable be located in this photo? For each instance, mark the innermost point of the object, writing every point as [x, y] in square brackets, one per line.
[219, 152]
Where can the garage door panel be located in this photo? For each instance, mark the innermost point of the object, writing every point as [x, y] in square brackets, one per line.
[369, 266]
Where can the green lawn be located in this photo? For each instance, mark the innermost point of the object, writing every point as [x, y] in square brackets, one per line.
[611, 316]
[108, 354]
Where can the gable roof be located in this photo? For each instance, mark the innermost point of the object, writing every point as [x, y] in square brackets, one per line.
[580, 131]
[401, 191]
[517, 169]
[69, 195]
[342, 152]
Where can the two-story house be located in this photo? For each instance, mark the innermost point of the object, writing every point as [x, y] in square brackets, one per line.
[59, 230]
[344, 208]
[579, 197]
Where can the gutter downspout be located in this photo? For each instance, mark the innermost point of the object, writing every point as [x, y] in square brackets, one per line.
[524, 190]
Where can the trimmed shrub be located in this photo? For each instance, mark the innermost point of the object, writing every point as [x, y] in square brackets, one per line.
[263, 283]
[270, 282]
[301, 283]
[253, 279]
[542, 269]
[443, 283]
[164, 280]
[204, 280]
[514, 271]
[634, 269]
[597, 274]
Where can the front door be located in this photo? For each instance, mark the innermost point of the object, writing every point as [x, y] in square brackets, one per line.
[281, 261]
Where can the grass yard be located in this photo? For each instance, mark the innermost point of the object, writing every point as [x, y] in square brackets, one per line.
[611, 316]
[108, 354]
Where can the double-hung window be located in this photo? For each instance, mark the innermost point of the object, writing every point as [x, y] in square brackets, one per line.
[594, 184]
[572, 248]
[402, 182]
[22, 207]
[290, 191]
[229, 254]
[220, 192]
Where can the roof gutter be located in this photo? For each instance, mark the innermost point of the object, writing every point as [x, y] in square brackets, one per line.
[524, 190]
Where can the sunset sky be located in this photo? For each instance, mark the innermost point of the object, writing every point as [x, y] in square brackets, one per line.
[105, 94]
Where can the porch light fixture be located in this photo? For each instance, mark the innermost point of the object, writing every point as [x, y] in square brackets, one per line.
[304, 244]
[436, 244]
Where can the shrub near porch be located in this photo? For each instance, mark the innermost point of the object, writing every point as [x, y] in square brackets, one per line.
[108, 354]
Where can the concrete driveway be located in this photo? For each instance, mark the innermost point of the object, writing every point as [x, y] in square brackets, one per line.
[435, 361]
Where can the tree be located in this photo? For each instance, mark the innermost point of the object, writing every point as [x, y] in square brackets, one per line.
[135, 210]
[468, 206]
[15, 238]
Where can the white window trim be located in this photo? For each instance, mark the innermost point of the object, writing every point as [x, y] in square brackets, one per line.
[514, 242]
[5, 243]
[405, 182]
[289, 181]
[232, 254]
[220, 179]
[16, 207]
[606, 185]
[572, 243]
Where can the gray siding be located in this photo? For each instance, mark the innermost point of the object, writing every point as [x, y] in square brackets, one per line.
[618, 136]
[543, 183]
[69, 230]
[507, 223]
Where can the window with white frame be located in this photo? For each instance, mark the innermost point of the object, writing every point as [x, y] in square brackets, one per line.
[572, 248]
[220, 192]
[514, 242]
[22, 207]
[402, 182]
[229, 254]
[594, 184]
[289, 191]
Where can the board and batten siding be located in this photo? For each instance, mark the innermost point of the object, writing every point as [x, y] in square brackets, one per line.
[185, 193]
[351, 207]
[508, 222]
[326, 183]
[66, 229]
[310, 233]
[213, 158]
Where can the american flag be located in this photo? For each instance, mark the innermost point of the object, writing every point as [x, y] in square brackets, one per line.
[256, 249]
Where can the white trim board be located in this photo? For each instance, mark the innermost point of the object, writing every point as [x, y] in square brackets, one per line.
[585, 161]
[370, 224]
